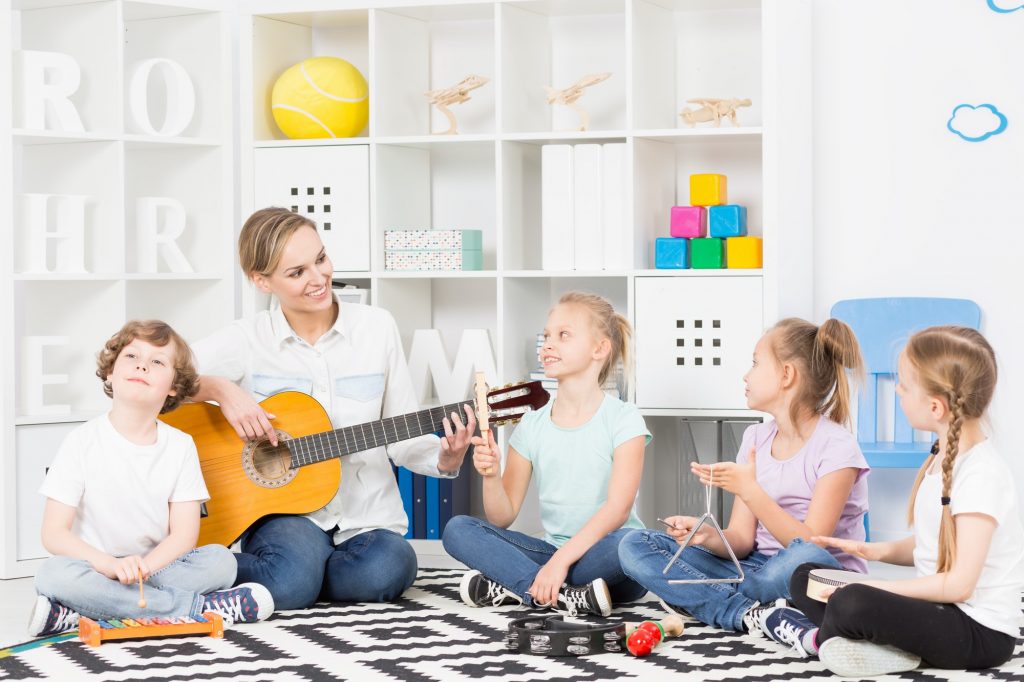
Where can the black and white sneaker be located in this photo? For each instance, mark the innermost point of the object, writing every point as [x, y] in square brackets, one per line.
[754, 617]
[50, 618]
[791, 628]
[476, 589]
[593, 598]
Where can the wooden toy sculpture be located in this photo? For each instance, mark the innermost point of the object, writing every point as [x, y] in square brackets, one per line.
[712, 110]
[569, 95]
[457, 94]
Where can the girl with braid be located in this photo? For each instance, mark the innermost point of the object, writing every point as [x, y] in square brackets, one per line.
[963, 608]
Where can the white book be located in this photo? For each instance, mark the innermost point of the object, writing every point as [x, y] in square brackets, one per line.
[556, 212]
[588, 242]
[618, 242]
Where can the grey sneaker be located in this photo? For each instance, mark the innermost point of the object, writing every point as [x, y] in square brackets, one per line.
[860, 658]
[246, 603]
[476, 589]
[50, 618]
[591, 598]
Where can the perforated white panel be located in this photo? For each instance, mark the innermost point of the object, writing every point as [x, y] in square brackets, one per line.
[694, 340]
[329, 185]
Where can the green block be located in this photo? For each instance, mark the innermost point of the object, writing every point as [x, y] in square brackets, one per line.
[706, 253]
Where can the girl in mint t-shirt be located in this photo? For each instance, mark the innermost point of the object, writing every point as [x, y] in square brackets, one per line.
[963, 608]
[797, 476]
[586, 450]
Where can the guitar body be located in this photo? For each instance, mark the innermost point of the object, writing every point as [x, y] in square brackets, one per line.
[249, 481]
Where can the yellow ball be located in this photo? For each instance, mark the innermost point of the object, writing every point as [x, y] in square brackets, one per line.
[321, 97]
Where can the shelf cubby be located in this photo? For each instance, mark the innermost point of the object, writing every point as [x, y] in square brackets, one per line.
[418, 49]
[283, 40]
[546, 43]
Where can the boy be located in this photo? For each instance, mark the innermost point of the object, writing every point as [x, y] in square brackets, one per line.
[123, 497]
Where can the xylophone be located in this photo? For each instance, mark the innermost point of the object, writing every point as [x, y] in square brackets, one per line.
[95, 632]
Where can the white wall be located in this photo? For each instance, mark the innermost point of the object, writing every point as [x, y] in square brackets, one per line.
[903, 207]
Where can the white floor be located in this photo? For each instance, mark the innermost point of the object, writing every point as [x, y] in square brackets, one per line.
[19, 595]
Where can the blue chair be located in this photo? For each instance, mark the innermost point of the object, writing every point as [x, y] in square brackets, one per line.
[882, 326]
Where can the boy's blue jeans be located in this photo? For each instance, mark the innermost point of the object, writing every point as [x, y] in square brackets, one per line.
[298, 563]
[513, 559]
[176, 590]
[644, 554]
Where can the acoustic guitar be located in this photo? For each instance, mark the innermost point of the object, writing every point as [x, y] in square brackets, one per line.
[248, 480]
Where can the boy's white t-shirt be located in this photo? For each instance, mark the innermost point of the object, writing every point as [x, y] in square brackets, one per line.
[122, 490]
[983, 484]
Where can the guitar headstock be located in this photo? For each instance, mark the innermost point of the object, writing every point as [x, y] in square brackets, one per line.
[508, 404]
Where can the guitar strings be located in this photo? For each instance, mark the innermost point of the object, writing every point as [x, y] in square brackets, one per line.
[331, 442]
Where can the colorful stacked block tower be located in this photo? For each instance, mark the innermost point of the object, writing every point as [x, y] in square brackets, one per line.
[709, 233]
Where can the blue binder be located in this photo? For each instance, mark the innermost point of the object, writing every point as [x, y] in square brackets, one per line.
[433, 508]
[405, 489]
[419, 510]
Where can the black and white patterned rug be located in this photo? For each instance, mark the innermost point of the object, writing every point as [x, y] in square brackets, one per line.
[428, 636]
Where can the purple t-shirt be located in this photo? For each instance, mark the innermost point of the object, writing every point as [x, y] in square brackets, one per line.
[791, 482]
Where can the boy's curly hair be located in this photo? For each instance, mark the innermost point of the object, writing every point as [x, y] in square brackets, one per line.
[158, 333]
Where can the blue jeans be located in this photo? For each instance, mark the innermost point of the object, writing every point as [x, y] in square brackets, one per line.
[513, 559]
[644, 554]
[298, 563]
[176, 590]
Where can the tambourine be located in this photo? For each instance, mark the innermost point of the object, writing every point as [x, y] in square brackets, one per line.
[552, 636]
[822, 581]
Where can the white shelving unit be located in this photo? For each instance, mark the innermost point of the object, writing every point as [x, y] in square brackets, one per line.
[660, 53]
[114, 163]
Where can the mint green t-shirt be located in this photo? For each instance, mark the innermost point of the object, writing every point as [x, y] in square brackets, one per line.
[573, 466]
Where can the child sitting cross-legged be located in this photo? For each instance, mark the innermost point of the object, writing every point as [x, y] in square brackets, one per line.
[123, 502]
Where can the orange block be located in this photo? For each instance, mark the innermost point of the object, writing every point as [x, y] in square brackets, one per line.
[708, 189]
[743, 252]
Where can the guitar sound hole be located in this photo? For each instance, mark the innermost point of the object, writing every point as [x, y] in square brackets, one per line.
[268, 466]
[271, 463]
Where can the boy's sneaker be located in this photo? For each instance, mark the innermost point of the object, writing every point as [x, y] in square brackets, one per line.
[861, 658]
[592, 598]
[247, 603]
[754, 615]
[791, 628]
[50, 618]
[476, 589]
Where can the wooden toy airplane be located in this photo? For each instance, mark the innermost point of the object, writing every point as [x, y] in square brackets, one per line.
[712, 110]
[457, 94]
[569, 95]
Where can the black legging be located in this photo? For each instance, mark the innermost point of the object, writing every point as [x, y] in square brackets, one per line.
[941, 634]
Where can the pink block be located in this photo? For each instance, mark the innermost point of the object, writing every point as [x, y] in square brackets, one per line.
[689, 221]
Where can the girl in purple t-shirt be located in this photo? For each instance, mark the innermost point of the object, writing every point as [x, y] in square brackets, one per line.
[798, 476]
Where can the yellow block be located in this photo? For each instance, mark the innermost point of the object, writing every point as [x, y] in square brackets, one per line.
[743, 252]
[707, 189]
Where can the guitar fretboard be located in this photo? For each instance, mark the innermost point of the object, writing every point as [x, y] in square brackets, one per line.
[319, 447]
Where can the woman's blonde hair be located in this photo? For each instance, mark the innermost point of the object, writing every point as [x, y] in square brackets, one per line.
[158, 333]
[264, 236]
[609, 324]
[822, 355]
[958, 366]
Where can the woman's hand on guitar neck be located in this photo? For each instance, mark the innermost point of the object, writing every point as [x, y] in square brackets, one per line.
[245, 415]
[485, 455]
[455, 440]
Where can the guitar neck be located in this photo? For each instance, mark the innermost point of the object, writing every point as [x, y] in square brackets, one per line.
[319, 447]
